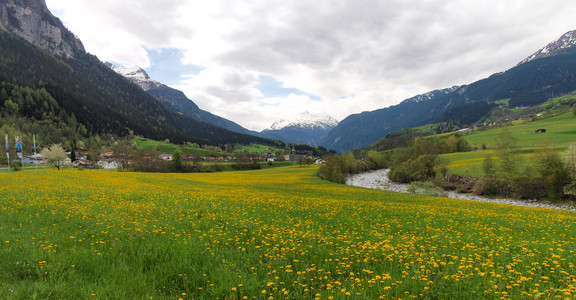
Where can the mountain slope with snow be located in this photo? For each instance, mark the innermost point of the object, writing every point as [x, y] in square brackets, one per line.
[306, 120]
[174, 99]
[304, 128]
[548, 73]
[567, 42]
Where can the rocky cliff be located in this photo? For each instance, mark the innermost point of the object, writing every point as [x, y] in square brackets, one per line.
[31, 20]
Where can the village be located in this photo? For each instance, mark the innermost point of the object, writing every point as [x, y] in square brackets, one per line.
[112, 160]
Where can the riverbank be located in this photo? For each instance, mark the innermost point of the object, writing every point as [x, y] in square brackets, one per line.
[379, 180]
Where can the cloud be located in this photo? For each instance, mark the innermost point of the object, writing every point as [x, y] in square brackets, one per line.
[351, 56]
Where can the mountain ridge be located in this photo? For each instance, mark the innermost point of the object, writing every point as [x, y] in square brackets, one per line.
[78, 85]
[564, 43]
[176, 100]
[526, 84]
[306, 128]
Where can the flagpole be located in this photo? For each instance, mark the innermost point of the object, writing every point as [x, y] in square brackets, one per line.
[7, 151]
[34, 155]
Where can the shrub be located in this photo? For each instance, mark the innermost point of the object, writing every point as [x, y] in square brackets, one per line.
[425, 188]
[491, 187]
[418, 169]
[17, 166]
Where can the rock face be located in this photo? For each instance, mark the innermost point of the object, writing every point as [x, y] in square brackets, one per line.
[31, 20]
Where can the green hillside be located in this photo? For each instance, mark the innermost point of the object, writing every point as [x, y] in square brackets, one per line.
[560, 132]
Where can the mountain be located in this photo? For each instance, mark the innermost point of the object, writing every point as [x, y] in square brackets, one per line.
[175, 100]
[305, 128]
[49, 81]
[562, 45]
[31, 20]
[532, 82]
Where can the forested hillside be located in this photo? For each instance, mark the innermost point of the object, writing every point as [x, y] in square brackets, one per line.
[99, 100]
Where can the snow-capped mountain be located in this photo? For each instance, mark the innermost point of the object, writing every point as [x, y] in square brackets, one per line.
[175, 100]
[566, 42]
[136, 75]
[306, 120]
[430, 95]
[304, 128]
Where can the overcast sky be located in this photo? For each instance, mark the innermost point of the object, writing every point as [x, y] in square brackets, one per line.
[255, 62]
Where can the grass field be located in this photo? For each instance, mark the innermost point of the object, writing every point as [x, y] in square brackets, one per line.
[279, 233]
[560, 130]
[164, 147]
[560, 133]
[149, 144]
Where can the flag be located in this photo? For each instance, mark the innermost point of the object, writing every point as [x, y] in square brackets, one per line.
[7, 146]
[18, 147]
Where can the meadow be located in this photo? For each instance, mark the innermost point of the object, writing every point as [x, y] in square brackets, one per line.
[560, 133]
[278, 233]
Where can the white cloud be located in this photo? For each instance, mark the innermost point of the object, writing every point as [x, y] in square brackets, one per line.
[381, 52]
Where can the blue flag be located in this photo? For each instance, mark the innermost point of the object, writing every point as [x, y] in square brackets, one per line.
[18, 147]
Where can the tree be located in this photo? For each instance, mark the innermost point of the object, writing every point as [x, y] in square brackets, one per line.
[488, 167]
[570, 165]
[441, 164]
[177, 161]
[553, 172]
[55, 155]
[123, 149]
[509, 159]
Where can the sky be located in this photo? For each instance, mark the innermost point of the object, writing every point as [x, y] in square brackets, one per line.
[255, 62]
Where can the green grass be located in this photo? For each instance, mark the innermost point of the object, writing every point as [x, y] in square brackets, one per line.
[560, 133]
[255, 148]
[149, 144]
[560, 130]
[280, 233]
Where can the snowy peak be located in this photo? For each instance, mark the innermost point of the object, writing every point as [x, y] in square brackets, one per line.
[559, 46]
[429, 95]
[136, 75]
[306, 120]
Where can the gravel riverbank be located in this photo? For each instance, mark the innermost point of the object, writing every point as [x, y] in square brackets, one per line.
[379, 180]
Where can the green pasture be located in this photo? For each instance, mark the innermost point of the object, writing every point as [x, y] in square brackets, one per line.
[560, 133]
[560, 130]
[164, 147]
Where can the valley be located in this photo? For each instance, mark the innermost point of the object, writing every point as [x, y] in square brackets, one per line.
[227, 179]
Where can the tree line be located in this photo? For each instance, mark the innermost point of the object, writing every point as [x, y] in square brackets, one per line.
[551, 174]
[416, 161]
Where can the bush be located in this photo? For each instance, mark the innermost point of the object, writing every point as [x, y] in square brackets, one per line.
[491, 187]
[527, 187]
[419, 169]
[425, 188]
[17, 166]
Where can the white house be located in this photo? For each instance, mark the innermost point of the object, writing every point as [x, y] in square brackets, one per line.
[110, 164]
[34, 159]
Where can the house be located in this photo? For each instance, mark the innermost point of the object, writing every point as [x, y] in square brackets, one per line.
[166, 157]
[34, 159]
[465, 130]
[108, 164]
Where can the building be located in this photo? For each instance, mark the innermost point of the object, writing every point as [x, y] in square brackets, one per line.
[34, 159]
